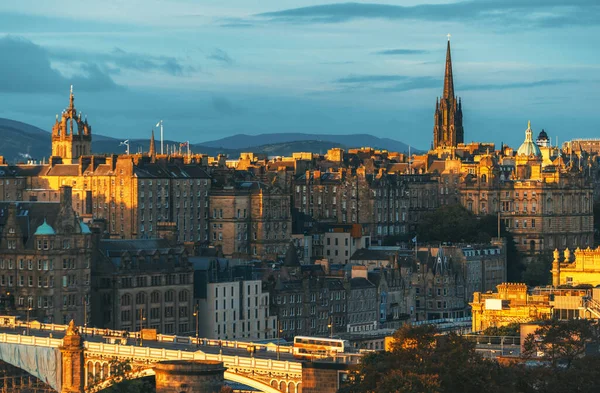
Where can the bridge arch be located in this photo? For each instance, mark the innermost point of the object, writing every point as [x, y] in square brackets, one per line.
[229, 376]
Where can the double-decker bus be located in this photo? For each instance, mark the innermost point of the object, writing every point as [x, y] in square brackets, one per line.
[318, 347]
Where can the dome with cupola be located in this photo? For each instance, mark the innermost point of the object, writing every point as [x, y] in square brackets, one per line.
[44, 230]
[529, 148]
[542, 139]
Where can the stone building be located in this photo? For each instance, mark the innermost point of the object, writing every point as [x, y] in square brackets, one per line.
[439, 286]
[362, 302]
[384, 204]
[71, 135]
[250, 219]
[579, 267]
[45, 260]
[142, 283]
[232, 302]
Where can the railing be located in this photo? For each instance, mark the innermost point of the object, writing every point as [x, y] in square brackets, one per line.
[30, 340]
[593, 306]
[242, 345]
[170, 354]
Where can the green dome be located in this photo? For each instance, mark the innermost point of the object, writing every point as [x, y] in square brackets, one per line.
[44, 230]
[84, 228]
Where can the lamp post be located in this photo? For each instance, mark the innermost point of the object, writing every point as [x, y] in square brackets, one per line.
[28, 309]
[141, 325]
[279, 331]
[330, 326]
[197, 315]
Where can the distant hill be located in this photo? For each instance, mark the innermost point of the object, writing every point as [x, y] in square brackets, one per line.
[242, 141]
[20, 142]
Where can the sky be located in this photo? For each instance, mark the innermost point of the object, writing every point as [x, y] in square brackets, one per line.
[215, 68]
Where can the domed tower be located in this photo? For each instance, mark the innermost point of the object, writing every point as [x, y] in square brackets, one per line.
[542, 139]
[448, 125]
[71, 136]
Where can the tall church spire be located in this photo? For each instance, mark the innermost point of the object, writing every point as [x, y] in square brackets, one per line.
[448, 80]
[152, 151]
[447, 127]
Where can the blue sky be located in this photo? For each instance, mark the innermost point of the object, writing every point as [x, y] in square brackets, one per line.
[216, 68]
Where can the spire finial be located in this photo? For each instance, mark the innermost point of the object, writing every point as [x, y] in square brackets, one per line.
[528, 124]
[448, 35]
[448, 79]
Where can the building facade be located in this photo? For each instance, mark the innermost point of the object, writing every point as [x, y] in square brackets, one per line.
[45, 260]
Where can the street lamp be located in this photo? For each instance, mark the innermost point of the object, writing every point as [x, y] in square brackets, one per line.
[279, 331]
[141, 325]
[330, 326]
[197, 315]
[28, 309]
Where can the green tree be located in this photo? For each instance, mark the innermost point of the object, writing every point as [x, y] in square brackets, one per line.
[537, 270]
[513, 329]
[421, 360]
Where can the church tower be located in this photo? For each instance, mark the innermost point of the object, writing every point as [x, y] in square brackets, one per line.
[448, 128]
[71, 136]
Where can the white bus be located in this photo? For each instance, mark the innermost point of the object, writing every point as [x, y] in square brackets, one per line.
[318, 347]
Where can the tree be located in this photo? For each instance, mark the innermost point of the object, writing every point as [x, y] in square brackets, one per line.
[509, 330]
[537, 270]
[421, 360]
[561, 342]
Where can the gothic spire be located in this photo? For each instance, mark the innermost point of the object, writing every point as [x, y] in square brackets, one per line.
[71, 99]
[448, 80]
[152, 151]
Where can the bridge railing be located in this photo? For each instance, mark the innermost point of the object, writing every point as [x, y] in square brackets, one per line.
[155, 354]
[30, 340]
[242, 345]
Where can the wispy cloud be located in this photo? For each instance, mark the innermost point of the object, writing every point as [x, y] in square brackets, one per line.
[221, 56]
[119, 59]
[26, 68]
[401, 52]
[520, 85]
[545, 13]
[387, 83]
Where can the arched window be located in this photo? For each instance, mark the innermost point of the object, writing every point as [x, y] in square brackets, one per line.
[126, 300]
[483, 178]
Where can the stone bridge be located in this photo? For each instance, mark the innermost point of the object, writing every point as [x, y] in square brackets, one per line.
[72, 364]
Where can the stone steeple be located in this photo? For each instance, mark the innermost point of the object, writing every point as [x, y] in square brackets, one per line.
[448, 129]
[448, 79]
[152, 151]
[71, 135]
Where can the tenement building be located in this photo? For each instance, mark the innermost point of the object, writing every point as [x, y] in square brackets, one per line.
[142, 283]
[45, 260]
[250, 219]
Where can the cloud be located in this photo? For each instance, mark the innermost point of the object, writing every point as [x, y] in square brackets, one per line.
[26, 68]
[221, 56]
[370, 78]
[401, 52]
[119, 59]
[388, 83]
[520, 85]
[543, 13]
[224, 106]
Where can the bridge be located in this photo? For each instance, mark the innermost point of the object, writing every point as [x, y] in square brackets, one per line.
[70, 361]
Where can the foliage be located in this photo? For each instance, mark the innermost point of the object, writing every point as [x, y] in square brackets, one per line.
[514, 329]
[423, 361]
[538, 270]
[561, 342]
